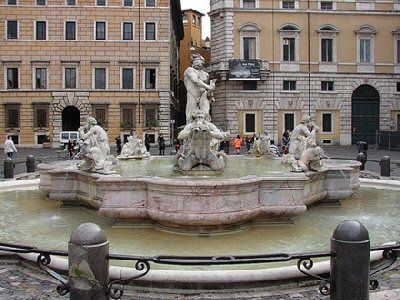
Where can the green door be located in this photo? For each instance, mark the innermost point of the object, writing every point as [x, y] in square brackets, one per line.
[364, 114]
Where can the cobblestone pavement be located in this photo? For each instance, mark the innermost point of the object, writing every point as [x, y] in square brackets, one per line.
[19, 282]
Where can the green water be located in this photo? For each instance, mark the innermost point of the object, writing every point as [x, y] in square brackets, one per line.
[28, 217]
[236, 167]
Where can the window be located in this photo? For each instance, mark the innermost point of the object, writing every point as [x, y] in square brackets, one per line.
[127, 120]
[289, 122]
[70, 78]
[127, 28]
[249, 48]
[326, 5]
[12, 30]
[41, 117]
[185, 19]
[398, 86]
[100, 114]
[41, 29]
[249, 3]
[150, 79]
[398, 51]
[326, 50]
[289, 49]
[70, 30]
[41, 78]
[12, 2]
[12, 78]
[40, 2]
[327, 122]
[289, 85]
[288, 4]
[100, 30]
[193, 19]
[150, 2]
[150, 31]
[101, 2]
[100, 78]
[127, 78]
[249, 37]
[71, 2]
[128, 2]
[12, 116]
[365, 50]
[150, 117]
[250, 122]
[326, 85]
[250, 85]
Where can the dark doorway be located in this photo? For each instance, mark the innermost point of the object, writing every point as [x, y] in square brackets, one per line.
[364, 114]
[70, 119]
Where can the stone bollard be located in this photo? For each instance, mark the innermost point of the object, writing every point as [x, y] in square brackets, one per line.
[385, 166]
[8, 168]
[30, 164]
[362, 159]
[88, 264]
[350, 263]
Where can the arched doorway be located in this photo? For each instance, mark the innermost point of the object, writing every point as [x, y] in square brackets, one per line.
[70, 118]
[364, 114]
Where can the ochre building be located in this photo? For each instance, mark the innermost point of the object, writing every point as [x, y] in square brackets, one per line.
[337, 61]
[65, 60]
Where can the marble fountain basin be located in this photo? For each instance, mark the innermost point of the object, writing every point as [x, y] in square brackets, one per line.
[251, 190]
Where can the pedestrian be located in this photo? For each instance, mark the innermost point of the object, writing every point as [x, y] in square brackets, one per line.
[237, 144]
[9, 147]
[177, 144]
[161, 144]
[118, 142]
[147, 142]
[70, 148]
[248, 143]
[285, 138]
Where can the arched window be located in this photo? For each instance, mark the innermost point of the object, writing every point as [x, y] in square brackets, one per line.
[193, 19]
[290, 34]
[365, 48]
[185, 19]
[328, 47]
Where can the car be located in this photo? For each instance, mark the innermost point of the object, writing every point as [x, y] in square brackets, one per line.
[65, 136]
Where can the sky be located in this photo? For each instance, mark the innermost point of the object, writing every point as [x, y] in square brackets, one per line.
[202, 6]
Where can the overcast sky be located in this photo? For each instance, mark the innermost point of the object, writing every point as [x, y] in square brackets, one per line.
[202, 6]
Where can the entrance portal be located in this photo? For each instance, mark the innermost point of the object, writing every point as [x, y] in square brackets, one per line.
[70, 119]
[364, 114]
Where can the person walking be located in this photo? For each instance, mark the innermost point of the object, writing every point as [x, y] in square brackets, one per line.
[161, 144]
[118, 142]
[9, 147]
[147, 142]
[237, 143]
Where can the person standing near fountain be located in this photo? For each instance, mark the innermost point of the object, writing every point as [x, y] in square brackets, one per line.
[161, 144]
[9, 147]
[198, 90]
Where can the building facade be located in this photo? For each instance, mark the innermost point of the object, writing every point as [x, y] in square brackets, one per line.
[336, 61]
[65, 60]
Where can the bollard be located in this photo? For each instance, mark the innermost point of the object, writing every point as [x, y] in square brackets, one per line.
[30, 164]
[88, 273]
[362, 159]
[385, 166]
[350, 247]
[8, 168]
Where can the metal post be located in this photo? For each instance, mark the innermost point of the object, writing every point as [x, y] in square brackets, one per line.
[30, 164]
[88, 264]
[385, 166]
[8, 168]
[350, 247]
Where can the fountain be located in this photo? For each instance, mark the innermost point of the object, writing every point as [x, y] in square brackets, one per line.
[197, 193]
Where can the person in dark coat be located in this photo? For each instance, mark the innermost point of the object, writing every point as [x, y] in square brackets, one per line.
[118, 142]
[161, 144]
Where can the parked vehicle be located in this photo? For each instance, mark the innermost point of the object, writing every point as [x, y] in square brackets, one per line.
[65, 136]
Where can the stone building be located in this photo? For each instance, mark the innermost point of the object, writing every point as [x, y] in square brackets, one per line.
[278, 60]
[65, 60]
